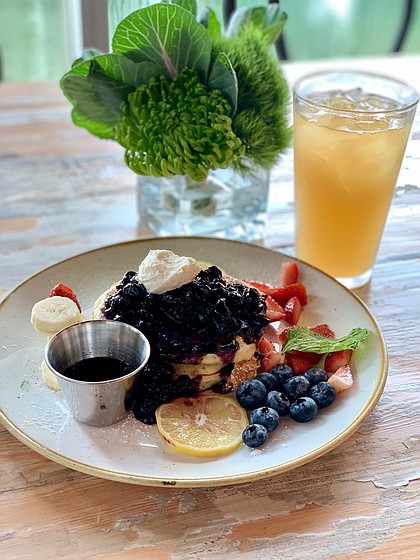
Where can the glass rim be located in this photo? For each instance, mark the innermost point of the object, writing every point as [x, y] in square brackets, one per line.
[405, 107]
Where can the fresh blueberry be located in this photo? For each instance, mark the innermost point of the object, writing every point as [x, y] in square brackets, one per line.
[296, 387]
[265, 416]
[251, 394]
[315, 375]
[304, 409]
[283, 372]
[254, 435]
[323, 394]
[279, 402]
[269, 380]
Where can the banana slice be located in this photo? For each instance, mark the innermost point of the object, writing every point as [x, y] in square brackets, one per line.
[49, 377]
[54, 313]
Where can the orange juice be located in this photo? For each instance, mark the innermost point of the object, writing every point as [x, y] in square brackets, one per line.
[344, 179]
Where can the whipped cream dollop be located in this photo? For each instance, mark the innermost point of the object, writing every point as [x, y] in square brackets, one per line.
[163, 270]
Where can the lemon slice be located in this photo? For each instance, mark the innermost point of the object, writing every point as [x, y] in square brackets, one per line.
[202, 426]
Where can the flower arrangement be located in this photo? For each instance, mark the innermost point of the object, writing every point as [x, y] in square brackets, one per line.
[182, 97]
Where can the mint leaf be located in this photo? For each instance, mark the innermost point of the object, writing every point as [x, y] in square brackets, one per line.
[305, 340]
[223, 77]
[166, 35]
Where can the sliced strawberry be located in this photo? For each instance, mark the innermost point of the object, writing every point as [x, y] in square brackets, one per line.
[284, 293]
[270, 360]
[335, 360]
[271, 356]
[271, 333]
[311, 357]
[298, 365]
[65, 291]
[323, 330]
[283, 334]
[293, 310]
[275, 312]
[264, 345]
[288, 274]
[260, 286]
[342, 379]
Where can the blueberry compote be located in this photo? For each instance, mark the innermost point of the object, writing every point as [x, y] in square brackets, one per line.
[201, 317]
[155, 386]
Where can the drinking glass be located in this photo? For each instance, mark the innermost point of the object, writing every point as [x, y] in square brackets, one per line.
[350, 132]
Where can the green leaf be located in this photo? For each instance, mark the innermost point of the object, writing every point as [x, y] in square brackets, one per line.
[270, 19]
[109, 92]
[89, 109]
[119, 68]
[223, 78]
[166, 35]
[305, 340]
[208, 18]
[189, 5]
[96, 128]
[124, 71]
[97, 88]
[114, 77]
[87, 54]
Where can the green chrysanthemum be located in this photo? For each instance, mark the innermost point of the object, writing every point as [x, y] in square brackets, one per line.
[177, 127]
[261, 120]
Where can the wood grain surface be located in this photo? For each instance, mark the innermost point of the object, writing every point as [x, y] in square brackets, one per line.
[64, 192]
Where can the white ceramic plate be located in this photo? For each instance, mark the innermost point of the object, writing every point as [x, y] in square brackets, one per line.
[133, 452]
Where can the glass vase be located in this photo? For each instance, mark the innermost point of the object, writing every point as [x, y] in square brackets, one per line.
[227, 204]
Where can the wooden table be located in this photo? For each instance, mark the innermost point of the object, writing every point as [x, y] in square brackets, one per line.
[64, 192]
